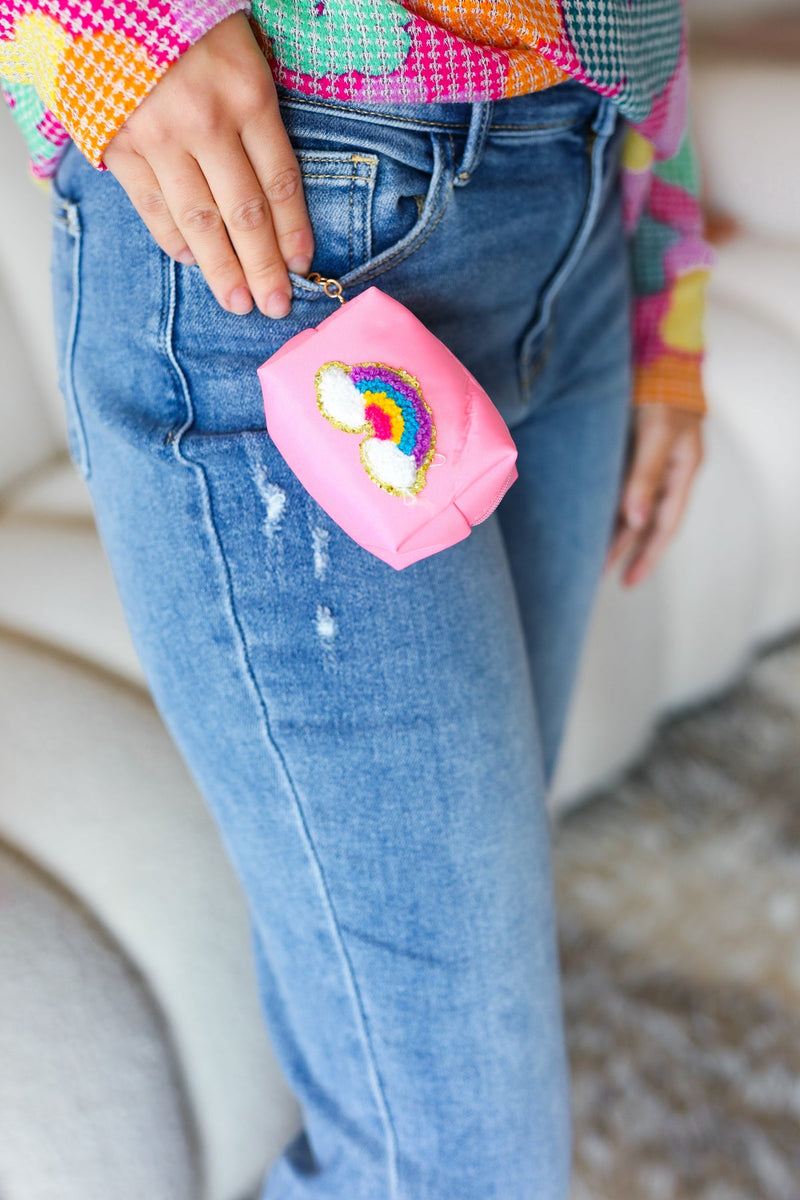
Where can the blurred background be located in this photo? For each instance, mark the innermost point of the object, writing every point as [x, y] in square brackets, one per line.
[134, 1059]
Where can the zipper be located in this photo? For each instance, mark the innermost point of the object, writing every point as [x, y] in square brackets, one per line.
[509, 479]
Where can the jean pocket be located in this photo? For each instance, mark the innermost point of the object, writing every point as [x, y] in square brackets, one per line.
[66, 296]
[339, 186]
[373, 191]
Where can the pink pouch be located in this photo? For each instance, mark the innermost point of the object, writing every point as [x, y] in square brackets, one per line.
[387, 430]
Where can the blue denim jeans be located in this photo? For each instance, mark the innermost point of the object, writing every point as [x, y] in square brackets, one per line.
[376, 746]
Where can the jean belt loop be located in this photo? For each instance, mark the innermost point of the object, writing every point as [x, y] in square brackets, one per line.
[605, 118]
[479, 121]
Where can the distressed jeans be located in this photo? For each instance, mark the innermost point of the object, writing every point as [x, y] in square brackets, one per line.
[376, 746]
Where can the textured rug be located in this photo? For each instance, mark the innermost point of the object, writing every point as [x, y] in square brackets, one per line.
[679, 898]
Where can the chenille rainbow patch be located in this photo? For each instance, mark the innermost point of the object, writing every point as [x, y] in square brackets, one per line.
[386, 404]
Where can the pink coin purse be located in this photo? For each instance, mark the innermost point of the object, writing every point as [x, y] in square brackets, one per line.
[386, 429]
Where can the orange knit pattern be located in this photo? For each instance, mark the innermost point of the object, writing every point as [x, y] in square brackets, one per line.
[672, 380]
[76, 69]
[101, 79]
[518, 28]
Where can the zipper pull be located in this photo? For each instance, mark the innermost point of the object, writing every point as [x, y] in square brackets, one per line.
[331, 287]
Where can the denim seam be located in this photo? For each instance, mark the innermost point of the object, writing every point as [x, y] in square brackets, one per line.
[522, 134]
[359, 190]
[73, 230]
[332, 175]
[540, 359]
[348, 971]
[350, 213]
[480, 121]
[393, 262]
[352, 209]
[375, 117]
[379, 118]
[544, 126]
[332, 157]
[602, 127]
[436, 199]
[301, 284]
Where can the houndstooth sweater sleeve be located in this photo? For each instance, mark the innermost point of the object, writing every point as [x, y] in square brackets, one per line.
[78, 68]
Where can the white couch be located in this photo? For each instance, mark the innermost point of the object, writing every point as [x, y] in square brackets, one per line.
[134, 1061]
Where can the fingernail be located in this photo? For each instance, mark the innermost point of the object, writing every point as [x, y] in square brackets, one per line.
[187, 258]
[278, 305]
[637, 517]
[299, 264]
[241, 301]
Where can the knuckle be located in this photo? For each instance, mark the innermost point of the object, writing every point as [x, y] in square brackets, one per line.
[220, 271]
[284, 185]
[156, 135]
[205, 117]
[123, 141]
[202, 218]
[152, 203]
[646, 479]
[250, 214]
[255, 96]
[268, 268]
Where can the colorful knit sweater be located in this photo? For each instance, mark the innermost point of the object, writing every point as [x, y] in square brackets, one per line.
[78, 68]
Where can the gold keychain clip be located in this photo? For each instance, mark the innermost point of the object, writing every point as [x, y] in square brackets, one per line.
[331, 287]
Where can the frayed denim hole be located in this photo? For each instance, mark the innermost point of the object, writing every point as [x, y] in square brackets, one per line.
[272, 495]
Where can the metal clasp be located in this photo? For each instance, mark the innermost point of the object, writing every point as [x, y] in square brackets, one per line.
[331, 287]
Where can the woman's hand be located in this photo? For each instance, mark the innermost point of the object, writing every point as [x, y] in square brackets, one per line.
[666, 450]
[207, 163]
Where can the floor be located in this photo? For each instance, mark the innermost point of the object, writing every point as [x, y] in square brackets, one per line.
[679, 895]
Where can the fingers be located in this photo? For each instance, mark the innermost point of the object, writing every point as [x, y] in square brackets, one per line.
[666, 518]
[142, 188]
[222, 218]
[267, 146]
[265, 216]
[197, 216]
[207, 163]
[651, 454]
[641, 491]
[623, 541]
[667, 452]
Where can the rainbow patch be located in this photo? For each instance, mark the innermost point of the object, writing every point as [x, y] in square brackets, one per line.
[386, 404]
